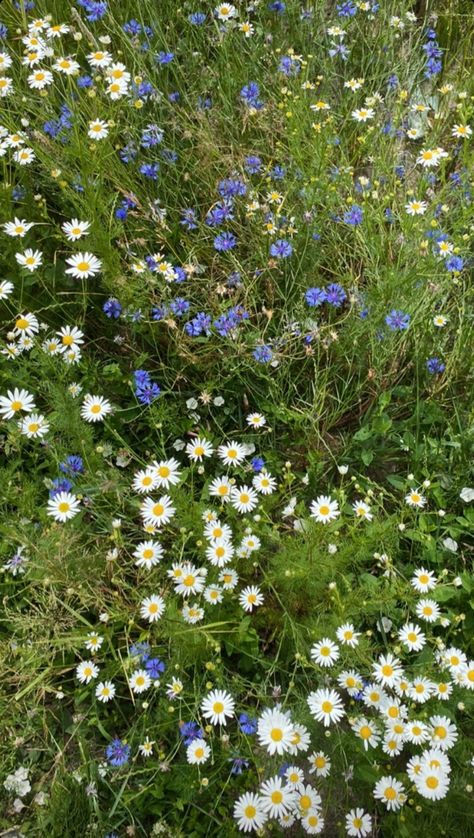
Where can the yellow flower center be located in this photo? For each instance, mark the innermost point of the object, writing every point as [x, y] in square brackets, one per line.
[324, 510]
[64, 506]
[164, 471]
[33, 427]
[365, 732]
[276, 734]
[199, 753]
[199, 451]
[305, 801]
[218, 707]
[390, 793]
[17, 405]
[250, 811]
[276, 797]
[22, 323]
[432, 782]
[148, 553]
[327, 706]
[83, 266]
[96, 408]
[189, 580]
[158, 509]
[387, 670]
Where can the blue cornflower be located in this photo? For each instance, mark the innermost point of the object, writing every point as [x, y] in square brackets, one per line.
[117, 753]
[289, 66]
[231, 187]
[159, 312]
[150, 170]
[188, 218]
[263, 354]
[249, 94]
[112, 308]
[238, 765]
[435, 366]
[3, 31]
[197, 18]
[278, 173]
[60, 484]
[315, 297]
[225, 241]
[199, 325]
[335, 295]
[151, 135]
[85, 81]
[148, 394]
[347, 9]
[72, 465]
[247, 724]
[164, 58]
[257, 463]
[96, 9]
[353, 216]
[179, 306]
[189, 731]
[155, 668]
[454, 264]
[281, 249]
[253, 164]
[277, 6]
[397, 320]
[140, 649]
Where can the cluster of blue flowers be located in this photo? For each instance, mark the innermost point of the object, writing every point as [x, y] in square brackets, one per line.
[72, 466]
[145, 389]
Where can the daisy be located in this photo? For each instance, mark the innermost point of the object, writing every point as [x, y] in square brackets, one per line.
[115, 89]
[146, 748]
[275, 731]
[6, 86]
[221, 488]
[362, 510]
[294, 776]
[148, 554]
[18, 227]
[454, 659]
[250, 543]
[105, 691]
[67, 66]
[390, 792]
[5, 61]
[308, 800]
[157, 512]
[57, 30]
[325, 653]
[313, 823]
[70, 336]
[145, 481]
[417, 732]
[14, 401]
[250, 598]
[435, 758]
[423, 580]
[387, 670]
[264, 483]
[347, 635]
[24, 156]
[373, 695]
[30, 259]
[152, 608]
[462, 131]
[118, 71]
[244, 499]
[443, 690]
[354, 84]
[256, 420]
[197, 752]
[428, 158]
[225, 11]
[174, 689]
[277, 799]
[98, 129]
[358, 823]
[39, 79]
[83, 265]
[99, 59]
[93, 642]
[75, 229]
[26, 324]
[432, 783]
[392, 745]
[324, 509]
[198, 449]
[220, 552]
[443, 732]
[139, 681]
[63, 506]
[34, 426]
[215, 530]
[301, 739]
[467, 672]
[232, 454]
[167, 473]
[191, 581]
[326, 706]
[363, 114]
[415, 498]
[416, 207]
[421, 690]
[249, 812]
[428, 610]
[440, 321]
[192, 613]
[218, 706]
[412, 637]
[95, 408]
[366, 731]
[86, 670]
[320, 764]
[351, 681]
[6, 289]
[213, 594]
[229, 579]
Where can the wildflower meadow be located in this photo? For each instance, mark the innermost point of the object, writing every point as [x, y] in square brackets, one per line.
[236, 418]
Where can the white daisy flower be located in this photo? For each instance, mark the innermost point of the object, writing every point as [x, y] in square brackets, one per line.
[139, 681]
[95, 408]
[83, 265]
[63, 506]
[157, 512]
[86, 671]
[198, 752]
[34, 426]
[105, 691]
[152, 608]
[218, 706]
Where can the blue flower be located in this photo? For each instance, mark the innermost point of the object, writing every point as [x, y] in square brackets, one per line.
[140, 649]
[112, 308]
[197, 18]
[257, 463]
[155, 668]
[253, 164]
[281, 249]
[315, 297]
[189, 731]
[150, 170]
[117, 753]
[454, 264]
[247, 724]
[225, 241]
[353, 216]
[199, 325]
[60, 484]
[435, 366]
[397, 321]
[72, 465]
[263, 354]
[335, 295]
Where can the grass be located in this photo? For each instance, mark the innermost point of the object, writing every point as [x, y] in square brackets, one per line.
[338, 387]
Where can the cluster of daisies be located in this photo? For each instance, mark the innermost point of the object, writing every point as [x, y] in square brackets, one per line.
[392, 719]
